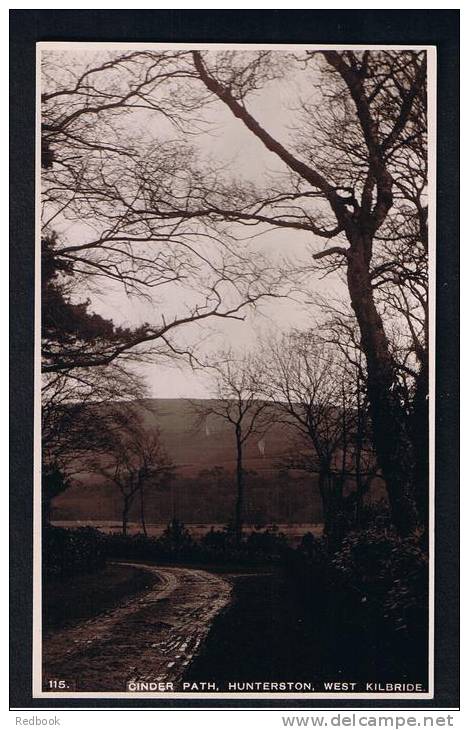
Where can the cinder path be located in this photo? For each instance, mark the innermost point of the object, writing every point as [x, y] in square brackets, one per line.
[151, 638]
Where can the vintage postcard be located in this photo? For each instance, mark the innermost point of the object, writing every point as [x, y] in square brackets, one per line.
[234, 422]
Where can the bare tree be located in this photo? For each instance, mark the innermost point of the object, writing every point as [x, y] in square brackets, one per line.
[409, 348]
[146, 215]
[86, 96]
[135, 460]
[119, 214]
[75, 423]
[127, 213]
[314, 393]
[238, 403]
[343, 176]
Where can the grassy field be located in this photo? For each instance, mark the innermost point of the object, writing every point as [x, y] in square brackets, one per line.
[193, 449]
[85, 596]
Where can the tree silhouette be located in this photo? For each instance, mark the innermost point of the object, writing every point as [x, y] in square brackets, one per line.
[135, 460]
[346, 162]
[238, 403]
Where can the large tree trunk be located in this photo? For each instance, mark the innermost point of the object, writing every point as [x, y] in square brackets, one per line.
[142, 511]
[391, 439]
[392, 442]
[420, 438]
[358, 456]
[125, 515]
[239, 489]
[326, 492]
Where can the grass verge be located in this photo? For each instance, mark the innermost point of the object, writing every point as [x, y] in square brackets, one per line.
[85, 596]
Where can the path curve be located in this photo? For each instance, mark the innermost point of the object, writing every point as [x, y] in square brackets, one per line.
[149, 638]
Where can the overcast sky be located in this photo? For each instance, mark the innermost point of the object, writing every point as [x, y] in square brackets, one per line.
[227, 141]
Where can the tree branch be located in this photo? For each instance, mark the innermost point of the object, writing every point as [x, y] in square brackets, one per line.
[331, 252]
[305, 171]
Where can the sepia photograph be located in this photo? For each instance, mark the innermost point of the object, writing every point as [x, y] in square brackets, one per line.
[235, 319]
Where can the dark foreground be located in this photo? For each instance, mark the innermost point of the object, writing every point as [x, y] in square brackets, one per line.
[66, 602]
[174, 624]
[264, 635]
[269, 634]
[150, 637]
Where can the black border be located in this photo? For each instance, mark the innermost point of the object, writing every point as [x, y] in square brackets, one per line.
[426, 27]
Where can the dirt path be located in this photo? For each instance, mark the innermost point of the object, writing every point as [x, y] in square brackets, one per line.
[151, 638]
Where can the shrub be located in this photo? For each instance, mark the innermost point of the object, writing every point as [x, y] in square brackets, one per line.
[176, 545]
[66, 553]
[369, 595]
[219, 543]
[376, 514]
[130, 547]
[269, 544]
[307, 568]
[388, 571]
[176, 539]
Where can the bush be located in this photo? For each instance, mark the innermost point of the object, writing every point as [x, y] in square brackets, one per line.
[131, 547]
[389, 572]
[376, 514]
[66, 553]
[176, 545]
[370, 594]
[176, 539]
[219, 543]
[308, 569]
[269, 544]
